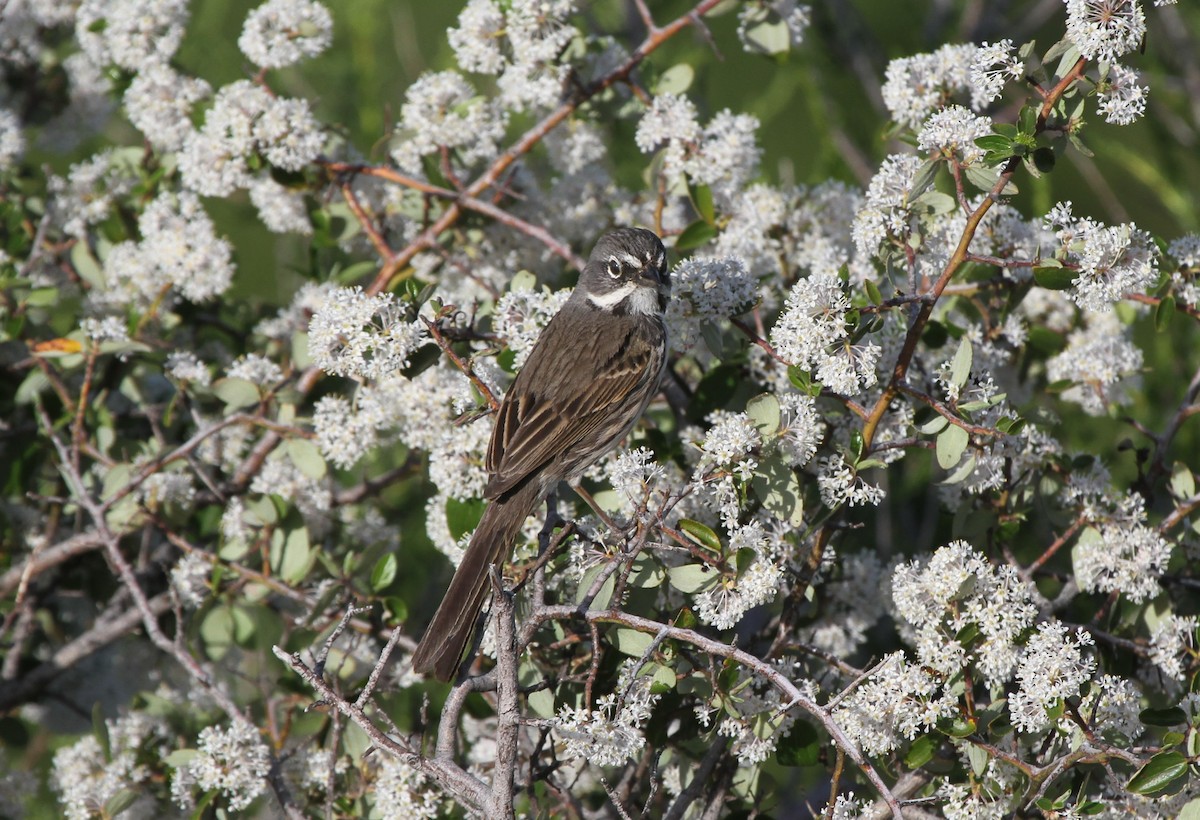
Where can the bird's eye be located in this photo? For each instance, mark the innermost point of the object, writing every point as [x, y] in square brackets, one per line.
[613, 267]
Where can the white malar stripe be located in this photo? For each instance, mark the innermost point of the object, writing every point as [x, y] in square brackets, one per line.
[608, 301]
[642, 299]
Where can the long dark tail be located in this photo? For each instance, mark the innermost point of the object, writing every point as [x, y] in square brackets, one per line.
[441, 648]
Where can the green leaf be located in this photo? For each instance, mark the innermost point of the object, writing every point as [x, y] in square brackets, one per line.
[1159, 773]
[934, 426]
[961, 473]
[777, 487]
[523, 280]
[924, 177]
[120, 801]
[765, 31]
[695, 235]
[180, 758]
[702, 200]
[631, 642]
[541, 703]
[463, 516]
[1172, 716]
[951, 443]
[960, 366]
[1163, 313]
[702, 534]
[307, 458]
[921, 751]
[873, 294]
[764, 412]
[978, 759]
[691, 578]
[799, 747]
[291, 557]
[956, 727]
[236, 393]
[384, 572]
[100, 730]
[675, 80]
[1053, 278]
[1183, 482]
[1191, 811]
[994, 142]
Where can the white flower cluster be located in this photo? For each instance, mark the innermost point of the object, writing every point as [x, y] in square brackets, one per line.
[520, 316]
[633, 473]
[840, 484]
[916, 86]
[853, 604]
[179, 250]
[993, 66]
[234, 761]
[442, 110]
[87, 195]
[401, 792]
[281, 210]
[160, 489]
[957, 588]
[886, 213]
[1122, 100]
[360, 336]
[12, 140]
[159, 102]
[283, 32]
[131, 34]
[1103, 30]
[952, 132]
[898, 700]
[1112, 259]
[246, 119]
[1124, 556]
[730, 442]
[724, 603]
[1171, 641]
[521, 41]
[610, 734]
[811, 333]
[190, 578]
[1052, 667]
[704, 291]
[723, 155]
[256, 368]
[801, 428]
[184, 366]
[86, 778]
[1102, 360]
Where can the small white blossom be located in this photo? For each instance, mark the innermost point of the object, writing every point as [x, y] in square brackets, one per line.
[281, 210]
[282, 32]
[705, 290]
[477, 38]
[234, 762]
[840, 484]
[108, 329]
[254, 367]
[401, 792]
[994, 65]
[521, 316]
[610, 734]
[158, 103]
[1112, 260]
[952, 132]
[441, 109]
[886, 212]
[917, 86]
[633, 473]
[132, 34]
[1173, 639]
[1103, 30]
[86, 778]
[343, 434]
[730, 441]
[190, 577]
[360, 336]
[1127, 557]
[12, 140]
[1053, 666]
[185, 366]
[1103, 362]
[899, 699]
[723, 604]
[160, 489]
[1122, 100]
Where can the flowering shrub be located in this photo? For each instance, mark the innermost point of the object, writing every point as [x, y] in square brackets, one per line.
[911, 528]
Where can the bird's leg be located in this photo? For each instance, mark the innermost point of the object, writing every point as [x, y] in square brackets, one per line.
[601, 514]
[552, 520]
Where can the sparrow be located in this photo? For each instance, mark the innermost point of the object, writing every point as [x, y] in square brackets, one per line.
[589, 377]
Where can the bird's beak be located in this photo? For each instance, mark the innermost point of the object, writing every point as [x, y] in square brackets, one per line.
[649, 277]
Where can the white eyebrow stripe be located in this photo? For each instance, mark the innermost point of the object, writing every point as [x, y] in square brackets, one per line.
[630, 260]
[611, 300]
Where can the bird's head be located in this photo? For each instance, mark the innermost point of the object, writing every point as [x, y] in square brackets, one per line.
[627, 273]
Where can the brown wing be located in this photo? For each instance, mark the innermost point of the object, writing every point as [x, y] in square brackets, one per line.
[579, 374]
